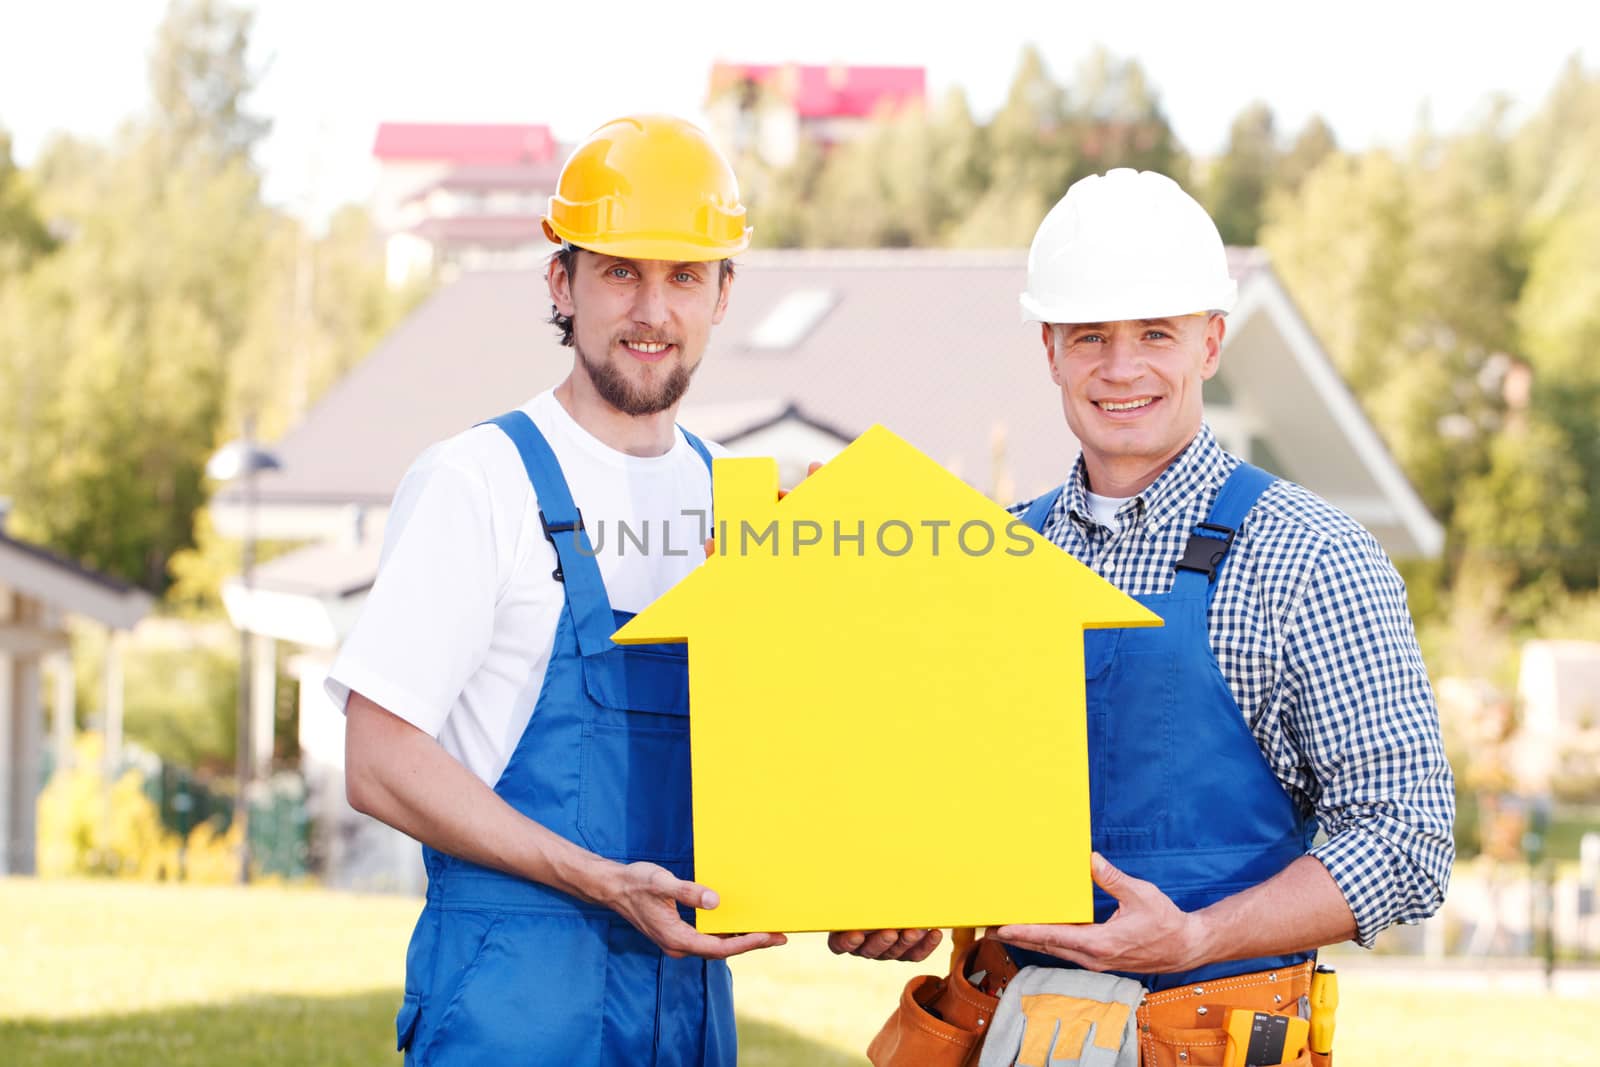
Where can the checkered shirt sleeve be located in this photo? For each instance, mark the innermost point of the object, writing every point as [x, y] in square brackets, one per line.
[1309, 625]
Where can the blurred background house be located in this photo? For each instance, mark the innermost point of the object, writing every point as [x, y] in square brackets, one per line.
[771, 110]
[40, 594]
[453, 196]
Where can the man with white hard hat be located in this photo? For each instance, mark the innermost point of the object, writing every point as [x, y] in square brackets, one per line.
[1285, 692]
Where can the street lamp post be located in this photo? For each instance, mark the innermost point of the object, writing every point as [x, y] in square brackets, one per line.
[242, 459]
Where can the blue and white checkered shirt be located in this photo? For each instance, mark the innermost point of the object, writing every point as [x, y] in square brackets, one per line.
[1310, 627]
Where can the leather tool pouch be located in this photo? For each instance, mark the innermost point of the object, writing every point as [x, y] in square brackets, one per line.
[941, 1022]
[1183, 1027]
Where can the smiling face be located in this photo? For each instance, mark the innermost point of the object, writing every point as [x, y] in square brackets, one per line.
[1131, 392]
[640, 327]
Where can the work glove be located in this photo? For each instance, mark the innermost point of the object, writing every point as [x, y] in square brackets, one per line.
[1057, 1017]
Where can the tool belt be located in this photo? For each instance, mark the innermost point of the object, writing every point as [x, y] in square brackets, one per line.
[942, 1021]
[1184, 1027]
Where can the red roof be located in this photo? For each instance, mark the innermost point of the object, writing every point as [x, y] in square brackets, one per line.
[829, 92]
[474, 144]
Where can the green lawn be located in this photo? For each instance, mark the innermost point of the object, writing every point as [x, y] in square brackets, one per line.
[116, 975]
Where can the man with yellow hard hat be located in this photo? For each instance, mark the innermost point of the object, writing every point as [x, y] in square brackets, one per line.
[1284, 695]
[488, 714]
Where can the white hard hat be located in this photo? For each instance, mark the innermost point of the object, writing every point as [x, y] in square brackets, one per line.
[1126, 245]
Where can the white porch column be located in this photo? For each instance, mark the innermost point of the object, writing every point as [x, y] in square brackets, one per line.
[8, 710]
[113, 703]
[64, 725]
[263, 701]
[27, 731]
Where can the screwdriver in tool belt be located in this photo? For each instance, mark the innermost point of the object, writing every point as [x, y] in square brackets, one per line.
[1324, 1003]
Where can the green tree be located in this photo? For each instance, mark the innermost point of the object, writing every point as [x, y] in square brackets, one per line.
[1240, 180]
[1555, 166]
[119, 347]
[1406, 268]
[1117, 121]
[320, 304]
[1314, 143]
[200, 77]
[938, 177]
[1026, 157]
[1527, 508]
[783, 200]
[23, 234]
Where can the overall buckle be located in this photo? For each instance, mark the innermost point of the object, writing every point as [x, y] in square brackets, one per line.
[1208, 546]
[550, 531]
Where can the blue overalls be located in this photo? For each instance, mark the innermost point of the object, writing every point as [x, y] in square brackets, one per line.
[1179, 792]
[502, 970]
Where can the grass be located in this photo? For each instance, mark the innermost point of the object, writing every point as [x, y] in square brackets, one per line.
[122, 975]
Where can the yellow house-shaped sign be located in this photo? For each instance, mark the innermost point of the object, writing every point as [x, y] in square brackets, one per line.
[886, 684]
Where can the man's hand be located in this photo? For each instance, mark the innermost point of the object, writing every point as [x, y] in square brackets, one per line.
[913, 946]
[648, 897]
[1147, 934]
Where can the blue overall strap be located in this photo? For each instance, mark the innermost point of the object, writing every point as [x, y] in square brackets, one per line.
[1210, 540]
[563, 527]
[698, 445]
[1039, 511]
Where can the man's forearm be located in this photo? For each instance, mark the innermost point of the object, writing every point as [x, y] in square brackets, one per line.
[1298, 909]
[400, 776]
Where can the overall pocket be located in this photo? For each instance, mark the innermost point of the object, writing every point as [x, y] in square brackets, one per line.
[634, 799]
[634, 788]
[533, 992]
[405, 1023]
[1130, 738]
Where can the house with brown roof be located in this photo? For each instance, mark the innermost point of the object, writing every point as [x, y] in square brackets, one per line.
[817, 346]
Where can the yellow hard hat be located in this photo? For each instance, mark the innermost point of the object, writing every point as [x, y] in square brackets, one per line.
[649, 187]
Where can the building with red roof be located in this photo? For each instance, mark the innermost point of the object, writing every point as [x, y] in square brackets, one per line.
[464, 144]
[771, 109]
[462, 196]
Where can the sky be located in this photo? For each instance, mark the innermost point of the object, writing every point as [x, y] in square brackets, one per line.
[334, 69]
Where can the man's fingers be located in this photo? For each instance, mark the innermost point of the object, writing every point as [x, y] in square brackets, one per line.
[912, 944]
[1110, 878]
[1071, 943]
[1087, 961]
[695, 896]
[930, 941]
[720, 948]
[813, 467]
[904, 945]
[877, 943]
[845, 941]
[915, 945]
[1033, 935]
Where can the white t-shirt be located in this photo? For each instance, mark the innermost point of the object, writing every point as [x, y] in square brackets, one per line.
[458, 628]
[1104, 509]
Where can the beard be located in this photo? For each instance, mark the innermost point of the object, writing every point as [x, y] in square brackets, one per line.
[631, 398]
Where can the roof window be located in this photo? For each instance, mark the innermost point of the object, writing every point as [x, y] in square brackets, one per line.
[792, 319]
